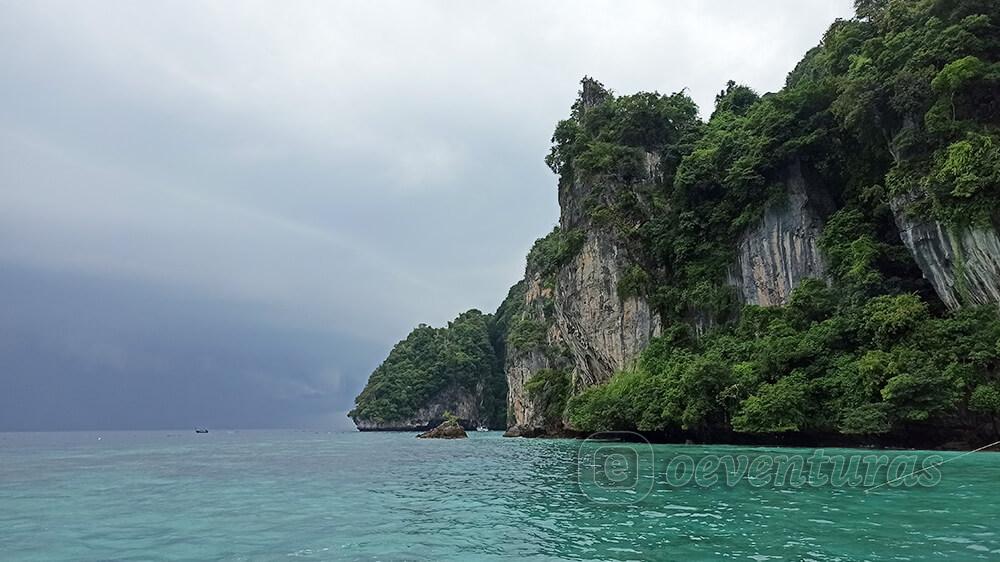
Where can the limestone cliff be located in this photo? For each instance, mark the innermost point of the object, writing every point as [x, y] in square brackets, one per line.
[534, 345]
[590, 331]
[583, 329]
[962, 263]
[782, 250]
[603, 331]
[681, 228]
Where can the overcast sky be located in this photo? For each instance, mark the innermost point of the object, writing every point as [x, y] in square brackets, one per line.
[225, 213]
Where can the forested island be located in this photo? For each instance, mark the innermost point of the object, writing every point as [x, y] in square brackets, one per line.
[815, 265]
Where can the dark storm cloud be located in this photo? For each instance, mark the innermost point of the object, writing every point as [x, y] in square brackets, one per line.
[225, 213]
[141, 355]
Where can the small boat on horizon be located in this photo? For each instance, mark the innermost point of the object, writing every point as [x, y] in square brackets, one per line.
[482, 428]
[201, 430]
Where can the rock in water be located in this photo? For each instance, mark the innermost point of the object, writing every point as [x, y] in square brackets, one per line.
[450, 429]
[524, 431]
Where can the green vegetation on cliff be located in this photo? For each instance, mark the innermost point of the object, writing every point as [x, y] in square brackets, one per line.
[894, 116]
[551, 388]
[902, 102]
[816, 365]
[430, 361]
[555, 250]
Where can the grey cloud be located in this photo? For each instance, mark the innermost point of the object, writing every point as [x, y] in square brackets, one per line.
[84, 352]
[298, 183]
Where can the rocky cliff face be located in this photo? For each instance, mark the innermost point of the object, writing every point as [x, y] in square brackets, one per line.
[962, 263]
[591, 331]
[653, 208]
[525, 415]
[782, 250]
[604, 332]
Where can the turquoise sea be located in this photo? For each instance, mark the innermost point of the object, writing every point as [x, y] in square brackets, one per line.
[282, 495]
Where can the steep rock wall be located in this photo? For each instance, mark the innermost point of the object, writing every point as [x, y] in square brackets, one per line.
[782, 250]
[589, 331]
[524, 412]
[592, 332]
[603, 331]
[962, 263]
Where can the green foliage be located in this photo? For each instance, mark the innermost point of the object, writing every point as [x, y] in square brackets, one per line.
[985, 399]
[924, 85]
[775, 407]
[629, 401]
[634, 282]
[866, 419]
[849, 244]
[617, 162]
[898, 106]
[555, 250]
[507, 314]
[818, 364]
[888, 318]
[551, 388]
[959, 73]
[607, 136]
[527, 333]
[430, 361]
[870, 10]
[971, 165]
[735, 99]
